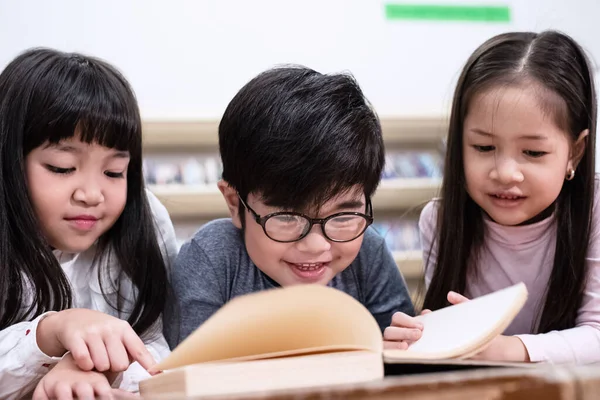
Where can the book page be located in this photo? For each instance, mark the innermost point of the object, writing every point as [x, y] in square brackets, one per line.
[299, 319]
[459, 331]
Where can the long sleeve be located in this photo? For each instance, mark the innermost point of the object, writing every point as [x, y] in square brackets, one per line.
[386, 292]
[196, 293]
[581, 344]
[156, 344]
[427, 225]
[165, 230]
[22, 363]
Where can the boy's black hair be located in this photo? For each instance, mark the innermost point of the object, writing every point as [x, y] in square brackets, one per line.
[298, 138]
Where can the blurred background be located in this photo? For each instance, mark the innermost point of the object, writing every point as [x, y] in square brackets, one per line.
[186, 59]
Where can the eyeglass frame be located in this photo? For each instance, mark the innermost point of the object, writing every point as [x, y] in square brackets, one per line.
[262, 221]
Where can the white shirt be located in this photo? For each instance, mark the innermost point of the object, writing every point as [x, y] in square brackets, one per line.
[23, 364]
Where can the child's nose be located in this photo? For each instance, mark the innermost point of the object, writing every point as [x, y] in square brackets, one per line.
[506, 171]
[89, 192]
[314, 242]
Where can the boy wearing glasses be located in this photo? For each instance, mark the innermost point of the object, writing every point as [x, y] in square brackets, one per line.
[302, 155]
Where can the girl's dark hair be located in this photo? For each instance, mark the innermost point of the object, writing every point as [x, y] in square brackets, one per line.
[44, 96]
[555, 62]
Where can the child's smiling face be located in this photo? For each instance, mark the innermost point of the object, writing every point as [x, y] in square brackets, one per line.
[516, 157]
[78, 191]
[312, 259]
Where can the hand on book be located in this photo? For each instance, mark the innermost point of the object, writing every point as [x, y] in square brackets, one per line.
[504, 348]
[67, 381]
[455, 298]
[403, 331]
[501, 348]
[97, 341]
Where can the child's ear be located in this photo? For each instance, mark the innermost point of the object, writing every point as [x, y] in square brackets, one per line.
[578, 150]
[233, 202]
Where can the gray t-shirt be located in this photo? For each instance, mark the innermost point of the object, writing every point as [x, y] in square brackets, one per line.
[214, 267]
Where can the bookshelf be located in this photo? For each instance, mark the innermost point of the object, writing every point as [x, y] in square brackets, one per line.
[176, 135]
[185, 201]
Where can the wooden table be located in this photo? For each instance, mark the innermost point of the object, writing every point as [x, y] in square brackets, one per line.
[544, 382]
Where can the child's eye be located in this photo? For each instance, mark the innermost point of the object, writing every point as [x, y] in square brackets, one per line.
[114, 174]
[58, 170]
[535, 154]
[484, 149]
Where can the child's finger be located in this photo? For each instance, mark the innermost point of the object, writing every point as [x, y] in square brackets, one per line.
[425, 311]
[137, 350]
[396, 334]
[62, 391]
[81, 354]
[117, 355]
[405, 321]
[455, 298]
[83, 390]
[98, 353]
[40, 392]
[103, 390]
[390, 345]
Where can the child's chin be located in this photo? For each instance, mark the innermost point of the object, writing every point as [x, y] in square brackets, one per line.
[508, 219]
[75, 246]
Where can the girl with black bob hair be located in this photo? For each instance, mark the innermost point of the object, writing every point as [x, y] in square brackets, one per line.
[84, 247]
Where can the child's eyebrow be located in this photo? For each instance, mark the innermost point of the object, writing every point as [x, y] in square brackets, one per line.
[120, 154]
[480, 132]
[532, 136]
[73, 149]
[63, 147]
[350, 204]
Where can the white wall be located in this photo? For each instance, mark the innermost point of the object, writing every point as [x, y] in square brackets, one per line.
[187, 58]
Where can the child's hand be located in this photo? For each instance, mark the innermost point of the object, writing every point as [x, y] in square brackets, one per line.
[403, 331]
[504, 348]
[96, 340]
[455, 298]
[67, 381]
[501, 348]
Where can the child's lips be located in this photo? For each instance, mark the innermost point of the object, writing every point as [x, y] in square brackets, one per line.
[82, 222]
[309, 266]
[309, 271]
[507, 200]
[507, 196]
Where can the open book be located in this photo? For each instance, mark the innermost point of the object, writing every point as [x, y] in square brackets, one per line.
[309, 335]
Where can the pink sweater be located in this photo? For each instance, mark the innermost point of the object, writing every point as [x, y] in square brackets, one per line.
[526, 254]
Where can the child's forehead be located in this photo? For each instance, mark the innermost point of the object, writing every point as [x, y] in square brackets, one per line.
[353, 197]
[524, 109]
[75, 145]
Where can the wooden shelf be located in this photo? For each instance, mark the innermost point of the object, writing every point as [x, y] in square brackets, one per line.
[191, 201]
[410, 263]
[414, 130]
[193, 134]
[402, 194]
[184, 201]
[161, 135]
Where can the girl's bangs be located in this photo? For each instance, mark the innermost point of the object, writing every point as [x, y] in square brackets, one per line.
[87, 102]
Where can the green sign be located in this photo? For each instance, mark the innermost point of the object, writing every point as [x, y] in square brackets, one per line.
[447, 13]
